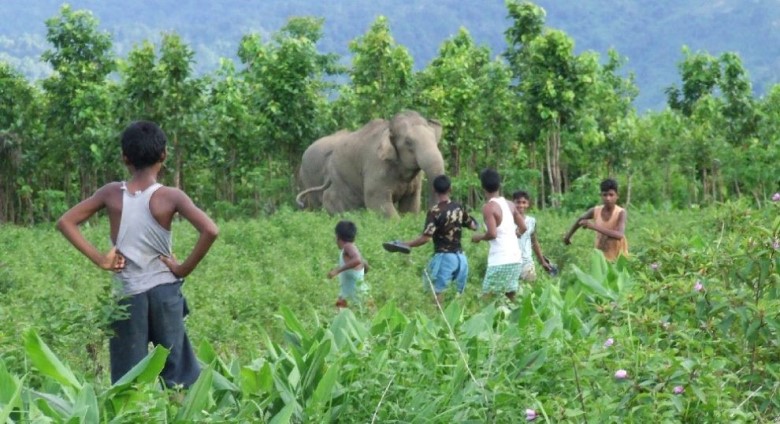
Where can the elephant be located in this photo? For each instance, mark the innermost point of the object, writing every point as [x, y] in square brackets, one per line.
[377, 166]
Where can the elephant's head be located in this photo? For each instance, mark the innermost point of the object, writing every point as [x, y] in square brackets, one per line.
[414, 144]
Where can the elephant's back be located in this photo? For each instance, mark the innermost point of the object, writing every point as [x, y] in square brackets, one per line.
[314, 159]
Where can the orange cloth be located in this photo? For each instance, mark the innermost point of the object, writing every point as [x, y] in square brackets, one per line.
[611, 247]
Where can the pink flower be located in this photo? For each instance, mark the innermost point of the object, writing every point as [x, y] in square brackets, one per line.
[776, 244]
[698, 286]
[654, 266]
[609, 342]
[530, 415]
[776, 197]
[621, 374]
[678, 390]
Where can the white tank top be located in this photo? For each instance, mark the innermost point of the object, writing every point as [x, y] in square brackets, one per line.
[504, 249]
[142, 240]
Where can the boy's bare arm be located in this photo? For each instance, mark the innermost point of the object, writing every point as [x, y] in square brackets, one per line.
[352, 260]
[203, 224]
[69, 223]
[587, 215]
[419, 241]
[617, 233]
[537, 248]
[519, 219]
[488, 214]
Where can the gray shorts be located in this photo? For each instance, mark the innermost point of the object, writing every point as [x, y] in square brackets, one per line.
[156, 316]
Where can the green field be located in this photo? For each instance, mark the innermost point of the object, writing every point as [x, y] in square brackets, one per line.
[277, 351]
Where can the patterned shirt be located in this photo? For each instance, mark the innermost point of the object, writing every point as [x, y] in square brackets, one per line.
[444, 223]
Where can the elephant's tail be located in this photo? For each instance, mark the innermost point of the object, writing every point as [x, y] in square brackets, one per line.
[309, 190]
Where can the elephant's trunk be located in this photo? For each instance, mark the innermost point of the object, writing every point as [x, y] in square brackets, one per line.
[432, 164]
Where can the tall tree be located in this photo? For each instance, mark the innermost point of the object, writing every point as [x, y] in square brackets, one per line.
[180, 99]
[19, 129]
[553, 84]
[700, 73]
[78, 97]
[290, 92]
[381, 76]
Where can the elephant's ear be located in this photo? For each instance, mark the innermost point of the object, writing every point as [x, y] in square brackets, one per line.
[436, 125]
[386, 149]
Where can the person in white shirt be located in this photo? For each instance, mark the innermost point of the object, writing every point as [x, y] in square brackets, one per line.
[503, 224]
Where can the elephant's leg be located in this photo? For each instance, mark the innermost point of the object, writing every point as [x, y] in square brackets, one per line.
[409, 203]
[332, 201]
[381, 200]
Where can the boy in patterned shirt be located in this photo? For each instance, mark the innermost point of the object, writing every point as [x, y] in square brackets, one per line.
[443, 225]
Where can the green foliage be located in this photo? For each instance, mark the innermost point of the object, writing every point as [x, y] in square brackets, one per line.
[381, 78]
[544, 116]
[274, 351]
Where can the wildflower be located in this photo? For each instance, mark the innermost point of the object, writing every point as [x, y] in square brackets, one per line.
[678, 390]
[621, 374]
[654, 266]
[776, 244]
[609, 342]
[665, 325]
[776, 197]
[698, 286]
[530, 415]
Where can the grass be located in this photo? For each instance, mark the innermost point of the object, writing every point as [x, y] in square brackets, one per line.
[547, 352]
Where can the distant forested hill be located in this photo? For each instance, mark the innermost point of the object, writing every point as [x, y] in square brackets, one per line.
[649, 34]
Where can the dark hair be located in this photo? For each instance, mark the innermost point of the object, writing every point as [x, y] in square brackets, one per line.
[490, 179]
[143, 144]
[609, 184]
[346, 231]
[442, 184]
[520, 194]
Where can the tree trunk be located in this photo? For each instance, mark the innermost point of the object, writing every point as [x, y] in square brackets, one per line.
[553, 163]
[628, 190]
[177, 162]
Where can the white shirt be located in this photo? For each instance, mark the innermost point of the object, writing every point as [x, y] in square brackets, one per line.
[504, 248]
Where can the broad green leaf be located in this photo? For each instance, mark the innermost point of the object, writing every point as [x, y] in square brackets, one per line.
[12, 401]
[143, 372]
[453, 313]
[552, 324]
[52, 406]
[593, 284]
[284, 416]
[197, 398]
[8, 385]
[86, 406]
[407, 338]
[313, 365]
[48, 363]
[322, 394]
[533, 360]
[206, 352]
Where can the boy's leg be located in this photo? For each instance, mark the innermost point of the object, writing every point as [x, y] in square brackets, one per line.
[442, 270]
[129, 343]
[462, 273]
[166, 323]
[511, 276]
[347, 291]
[502, 279]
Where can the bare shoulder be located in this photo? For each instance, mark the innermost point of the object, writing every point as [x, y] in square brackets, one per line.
[109, 189]
[109, 195]
[173, 195]
[590, 213]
